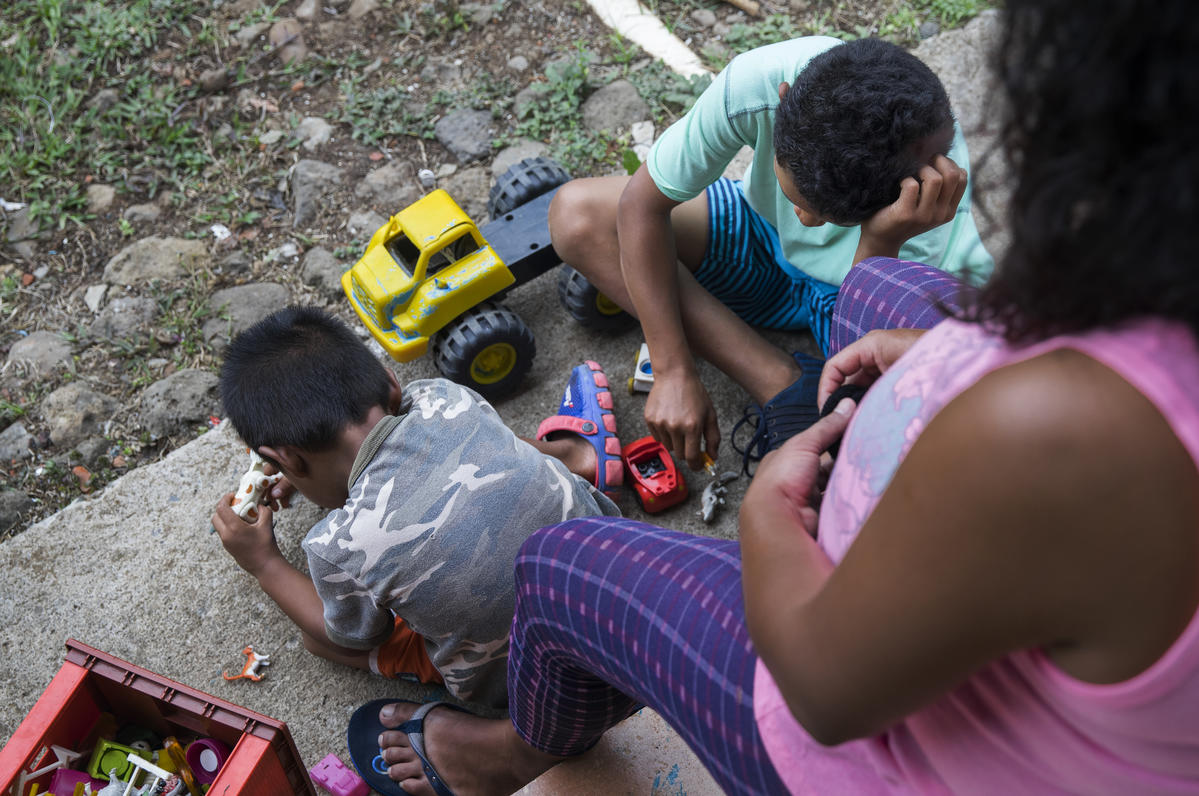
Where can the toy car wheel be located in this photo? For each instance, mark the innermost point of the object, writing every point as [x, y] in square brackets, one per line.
[523, 182]
[489, 349]
[590, 307]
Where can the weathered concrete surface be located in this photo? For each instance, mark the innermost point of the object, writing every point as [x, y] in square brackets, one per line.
[135, 571]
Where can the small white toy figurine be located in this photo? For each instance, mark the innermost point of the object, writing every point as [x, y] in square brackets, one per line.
[713, 496]
[253, 667]
[253, 486]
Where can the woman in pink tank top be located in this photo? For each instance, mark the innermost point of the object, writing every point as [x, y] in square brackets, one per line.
[996, 590]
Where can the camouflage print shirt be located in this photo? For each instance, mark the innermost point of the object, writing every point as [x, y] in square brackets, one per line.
[441, 499]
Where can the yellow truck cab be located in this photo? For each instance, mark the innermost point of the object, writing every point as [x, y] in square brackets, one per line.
[427, 266]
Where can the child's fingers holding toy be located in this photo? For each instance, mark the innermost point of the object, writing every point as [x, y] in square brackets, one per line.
[279, 496]
[252, 544]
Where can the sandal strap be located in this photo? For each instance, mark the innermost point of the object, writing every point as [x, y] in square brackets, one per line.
[578, 425]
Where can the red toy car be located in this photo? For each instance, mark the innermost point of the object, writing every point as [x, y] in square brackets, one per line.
[651, 473]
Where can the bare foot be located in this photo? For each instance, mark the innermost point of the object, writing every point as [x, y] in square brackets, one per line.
[474, 756]
[576, 453]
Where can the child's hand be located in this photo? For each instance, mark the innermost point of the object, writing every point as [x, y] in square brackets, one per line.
[680, 415]
[864, 360]
[252, 545]
[925, 202]
[279, 495]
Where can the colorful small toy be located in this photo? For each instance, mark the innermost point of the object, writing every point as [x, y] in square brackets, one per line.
[64, 781]
[253, 486]
[108, 756]
[160, 776]
[184, 770]
[114, 787]
[206, 756]
[642, 379]
[653, 475]
[337, 778]
[254, 663]
[63, 757]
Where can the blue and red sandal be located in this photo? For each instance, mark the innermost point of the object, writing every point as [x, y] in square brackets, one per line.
[586, 410]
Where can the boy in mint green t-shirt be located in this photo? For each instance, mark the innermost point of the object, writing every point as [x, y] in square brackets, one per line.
[855, 154]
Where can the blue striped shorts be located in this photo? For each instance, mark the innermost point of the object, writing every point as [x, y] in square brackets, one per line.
[742, 269]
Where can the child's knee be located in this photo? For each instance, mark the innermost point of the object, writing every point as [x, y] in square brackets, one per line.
[564, 216]
[573, 215]
[315, 646]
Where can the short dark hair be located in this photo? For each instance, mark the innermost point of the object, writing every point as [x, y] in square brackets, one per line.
[1100, 129]
[298, 377]
[848, 130]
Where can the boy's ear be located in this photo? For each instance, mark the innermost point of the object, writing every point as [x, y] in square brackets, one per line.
[289, 458]
[395, 395]
[784, 87]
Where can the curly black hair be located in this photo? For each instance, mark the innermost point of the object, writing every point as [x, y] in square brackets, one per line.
[298, 377]
[1101, 135]
[849, 129]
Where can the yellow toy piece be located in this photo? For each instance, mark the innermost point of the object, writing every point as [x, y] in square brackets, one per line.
[421, 270]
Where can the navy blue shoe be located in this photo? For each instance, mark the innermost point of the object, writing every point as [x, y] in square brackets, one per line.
[785, 415]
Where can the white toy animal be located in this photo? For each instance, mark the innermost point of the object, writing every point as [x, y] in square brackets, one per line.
[253, 486]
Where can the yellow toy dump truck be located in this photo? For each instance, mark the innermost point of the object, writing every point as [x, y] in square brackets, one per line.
[430, 278]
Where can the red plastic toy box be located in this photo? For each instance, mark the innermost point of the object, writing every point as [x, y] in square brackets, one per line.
[264, 760]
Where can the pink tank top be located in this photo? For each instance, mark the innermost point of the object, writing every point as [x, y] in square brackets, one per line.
[1020, 725]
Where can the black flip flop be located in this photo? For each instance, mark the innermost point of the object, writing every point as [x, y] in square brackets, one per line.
[362, 738]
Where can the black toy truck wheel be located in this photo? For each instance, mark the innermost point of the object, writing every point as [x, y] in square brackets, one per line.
[523, 182]
[588, 306]
[488, 348]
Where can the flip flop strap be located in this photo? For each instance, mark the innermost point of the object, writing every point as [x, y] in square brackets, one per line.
[414, 728]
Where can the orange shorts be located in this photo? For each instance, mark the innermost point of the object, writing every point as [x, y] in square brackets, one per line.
[404, 655]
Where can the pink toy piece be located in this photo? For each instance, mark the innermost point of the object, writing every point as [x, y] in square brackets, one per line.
[63, 782]
[337, 778]
[206, 756]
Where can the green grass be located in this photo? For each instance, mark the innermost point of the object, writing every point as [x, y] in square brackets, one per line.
[554, 116]
[902, 25]
[57, 55]
[389, 111]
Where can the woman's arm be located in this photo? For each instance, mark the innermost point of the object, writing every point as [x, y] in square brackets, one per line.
[1048, 505]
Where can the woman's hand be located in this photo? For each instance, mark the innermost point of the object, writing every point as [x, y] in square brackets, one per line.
[864, 360]
[790, 479]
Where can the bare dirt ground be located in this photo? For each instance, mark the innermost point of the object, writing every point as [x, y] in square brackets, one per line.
[206, 105]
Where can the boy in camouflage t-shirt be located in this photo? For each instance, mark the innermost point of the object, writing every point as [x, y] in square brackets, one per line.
[431, 496]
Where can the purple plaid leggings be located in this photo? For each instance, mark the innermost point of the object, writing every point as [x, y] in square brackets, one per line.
[613, 614]
[884, 293]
